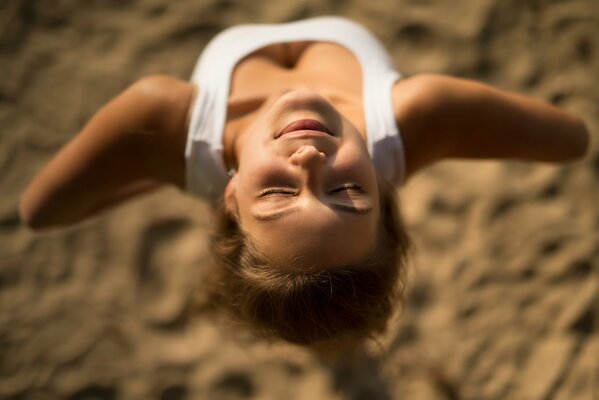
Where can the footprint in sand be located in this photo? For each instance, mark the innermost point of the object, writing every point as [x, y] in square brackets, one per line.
[233, 385]
[168, 263]
[95, 392]
[175, 392]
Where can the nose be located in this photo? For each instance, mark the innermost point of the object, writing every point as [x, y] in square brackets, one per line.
[308, 157]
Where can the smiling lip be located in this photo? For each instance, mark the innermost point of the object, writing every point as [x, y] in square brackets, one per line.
[304, 125]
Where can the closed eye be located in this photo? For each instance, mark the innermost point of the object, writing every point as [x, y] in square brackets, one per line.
[277, 192]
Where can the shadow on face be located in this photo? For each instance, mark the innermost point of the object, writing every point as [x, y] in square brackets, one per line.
[306, 189]
[315, 237]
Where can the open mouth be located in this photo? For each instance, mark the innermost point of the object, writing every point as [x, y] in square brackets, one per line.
[304, 125]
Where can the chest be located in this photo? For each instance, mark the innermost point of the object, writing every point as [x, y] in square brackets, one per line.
[325, 67]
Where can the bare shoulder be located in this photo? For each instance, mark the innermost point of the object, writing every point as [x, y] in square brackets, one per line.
[443, 117]
[424, 86]
[132, 144]
[415, 100]
[167, 100]
[163, 87]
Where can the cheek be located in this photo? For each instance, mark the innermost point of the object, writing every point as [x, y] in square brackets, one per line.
[261, 171]
[356, 161]
[255, 158]
[262, 164]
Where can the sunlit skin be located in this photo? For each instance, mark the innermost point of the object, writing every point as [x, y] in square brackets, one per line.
[308, 199]
[136, 143]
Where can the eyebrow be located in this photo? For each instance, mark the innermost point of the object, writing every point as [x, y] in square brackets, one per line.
[351, 209]
[271, 216]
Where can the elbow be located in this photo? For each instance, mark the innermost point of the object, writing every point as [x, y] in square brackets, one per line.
[581, 142]
[31, 216]
[38, 221]
[34, 214]
[572, 140]
[40, 213]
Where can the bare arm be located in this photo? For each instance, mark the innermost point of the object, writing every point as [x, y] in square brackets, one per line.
[133, 144]
[442, 117]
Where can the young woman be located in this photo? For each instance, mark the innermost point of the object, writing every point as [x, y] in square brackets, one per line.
[297, 133]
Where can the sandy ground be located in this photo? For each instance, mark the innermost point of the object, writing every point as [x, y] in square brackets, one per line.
[503, 298]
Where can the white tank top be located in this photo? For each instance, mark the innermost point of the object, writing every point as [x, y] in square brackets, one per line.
[205, 166]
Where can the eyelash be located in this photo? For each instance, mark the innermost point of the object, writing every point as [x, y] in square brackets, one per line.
[350, 187]
[271, 191]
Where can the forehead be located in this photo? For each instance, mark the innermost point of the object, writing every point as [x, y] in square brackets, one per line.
[316, 240]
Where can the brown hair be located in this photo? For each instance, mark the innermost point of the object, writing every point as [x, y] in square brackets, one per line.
[353, 302]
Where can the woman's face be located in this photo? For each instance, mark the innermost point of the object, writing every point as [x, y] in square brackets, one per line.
[306, 190]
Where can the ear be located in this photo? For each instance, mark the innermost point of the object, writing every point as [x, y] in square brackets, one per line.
[229, 197]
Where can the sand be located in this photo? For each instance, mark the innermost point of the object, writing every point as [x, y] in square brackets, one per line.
[503, 294]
